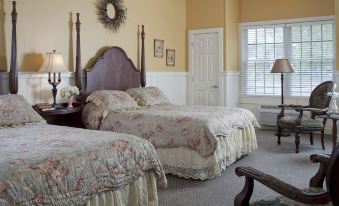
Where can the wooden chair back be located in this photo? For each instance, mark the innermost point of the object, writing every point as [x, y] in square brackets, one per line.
[332, 177]
[319, 98]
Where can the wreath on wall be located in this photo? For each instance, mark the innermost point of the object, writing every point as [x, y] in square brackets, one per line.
[120, 13]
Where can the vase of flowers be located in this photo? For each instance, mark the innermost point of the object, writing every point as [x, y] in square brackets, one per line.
[68, 92]
[332, 107]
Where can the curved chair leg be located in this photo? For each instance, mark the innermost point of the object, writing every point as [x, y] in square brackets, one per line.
[297, 142]
[311, 138]
[322, 136]
[243, 198]
[279, 135]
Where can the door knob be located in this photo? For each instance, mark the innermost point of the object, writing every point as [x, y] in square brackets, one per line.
[215, 87]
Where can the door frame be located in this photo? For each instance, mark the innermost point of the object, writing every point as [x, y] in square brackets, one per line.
[191, 33]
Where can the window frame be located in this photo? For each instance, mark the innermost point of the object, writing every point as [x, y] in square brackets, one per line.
[285, 22]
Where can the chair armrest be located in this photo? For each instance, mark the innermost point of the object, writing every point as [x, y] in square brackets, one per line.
[310, 109]
[290, 106]
[318, 179]
[322, 158]
[280, 187]
[269, 181]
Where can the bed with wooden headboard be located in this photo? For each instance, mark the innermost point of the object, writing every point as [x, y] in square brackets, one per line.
[43, 164]
[182, 146]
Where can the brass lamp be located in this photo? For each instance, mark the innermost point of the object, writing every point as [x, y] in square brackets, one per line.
[282, 66]
[53, 63]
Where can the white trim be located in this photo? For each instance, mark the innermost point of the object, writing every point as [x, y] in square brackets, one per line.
[166, 73]
[230, 73]
[34, 75]
[220, 32]
[287, 21]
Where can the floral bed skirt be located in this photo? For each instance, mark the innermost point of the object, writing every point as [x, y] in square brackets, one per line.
[142, 191]
[189, 163]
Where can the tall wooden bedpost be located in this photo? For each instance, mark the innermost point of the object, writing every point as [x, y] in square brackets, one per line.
[13, 73]
[78, 70]
[142, 69]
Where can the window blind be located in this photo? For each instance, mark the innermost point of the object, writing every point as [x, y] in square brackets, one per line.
[308, 46]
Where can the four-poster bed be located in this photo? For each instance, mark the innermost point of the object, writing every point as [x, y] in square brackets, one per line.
[192, 142]
[43, 164]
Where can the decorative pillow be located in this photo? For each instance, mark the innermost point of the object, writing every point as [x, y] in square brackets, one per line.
[112, 101]
[148, 96]
[15, 110]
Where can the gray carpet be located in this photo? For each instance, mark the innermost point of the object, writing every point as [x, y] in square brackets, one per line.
[281, 161]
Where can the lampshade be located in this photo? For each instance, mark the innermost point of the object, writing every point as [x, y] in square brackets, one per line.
[282, 66]
[53, 62]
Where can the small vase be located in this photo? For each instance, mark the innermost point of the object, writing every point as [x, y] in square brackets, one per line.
[332, 108]
[70, 102]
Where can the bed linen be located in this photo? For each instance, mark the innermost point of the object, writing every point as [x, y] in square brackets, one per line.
[54, 165]
[218, 135]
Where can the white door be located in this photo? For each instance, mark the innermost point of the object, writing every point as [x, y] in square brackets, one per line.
[205, 66]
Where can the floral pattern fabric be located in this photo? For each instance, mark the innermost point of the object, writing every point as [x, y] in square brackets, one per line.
[195, 128]
[112, 101]
[53, 165]
[148, 96]
[15, 110]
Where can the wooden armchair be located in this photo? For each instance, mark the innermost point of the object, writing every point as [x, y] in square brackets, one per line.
[318, 103]
[315, 195]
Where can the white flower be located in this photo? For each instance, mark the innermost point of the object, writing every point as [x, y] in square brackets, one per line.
[334, 95]
[69, 91]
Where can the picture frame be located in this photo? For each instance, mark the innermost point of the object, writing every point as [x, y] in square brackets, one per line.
[170, 57]
[158, 48]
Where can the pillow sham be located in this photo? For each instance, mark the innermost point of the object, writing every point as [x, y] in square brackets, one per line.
[112, 101]
[15, 110]
[148, 96]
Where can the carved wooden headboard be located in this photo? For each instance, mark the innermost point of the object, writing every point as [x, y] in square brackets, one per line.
[113, 71]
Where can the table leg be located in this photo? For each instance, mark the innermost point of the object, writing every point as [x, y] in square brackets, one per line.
[334, 134]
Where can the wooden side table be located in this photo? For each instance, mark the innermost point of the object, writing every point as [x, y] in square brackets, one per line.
[63, 116]
[334, 119]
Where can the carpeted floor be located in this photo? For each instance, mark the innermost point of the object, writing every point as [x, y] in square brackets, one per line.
[281, 161]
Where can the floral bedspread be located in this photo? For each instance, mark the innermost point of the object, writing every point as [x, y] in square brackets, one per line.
[52, 165]
[194, 127]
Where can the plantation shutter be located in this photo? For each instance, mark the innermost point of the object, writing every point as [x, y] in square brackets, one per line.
[310, 47]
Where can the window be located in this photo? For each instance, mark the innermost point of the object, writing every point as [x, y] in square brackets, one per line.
[309, 46]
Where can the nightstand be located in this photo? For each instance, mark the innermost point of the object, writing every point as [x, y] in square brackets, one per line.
[63, 116]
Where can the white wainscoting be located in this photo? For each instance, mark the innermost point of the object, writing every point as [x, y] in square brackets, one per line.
[230, 84]
[173, 84]
[35, 87]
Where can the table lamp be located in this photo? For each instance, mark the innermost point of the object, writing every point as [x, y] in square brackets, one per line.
[282, 66]
[53, 63]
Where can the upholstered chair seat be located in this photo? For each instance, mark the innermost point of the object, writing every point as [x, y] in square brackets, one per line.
[288, 122]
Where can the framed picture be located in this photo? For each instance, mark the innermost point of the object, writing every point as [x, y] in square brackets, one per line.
[170, 57]
[158, 48]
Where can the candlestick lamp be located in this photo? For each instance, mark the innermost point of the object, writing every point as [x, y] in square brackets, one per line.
[53, 63]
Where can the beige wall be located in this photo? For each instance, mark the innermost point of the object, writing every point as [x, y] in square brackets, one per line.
[203, 14]
[232, 11]
[264, 10]
[43, 25]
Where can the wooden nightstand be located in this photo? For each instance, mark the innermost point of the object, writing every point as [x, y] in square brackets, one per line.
[63, 116]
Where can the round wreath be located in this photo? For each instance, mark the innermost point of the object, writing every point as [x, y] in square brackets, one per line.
[120, 13]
